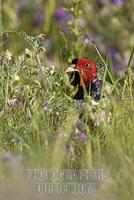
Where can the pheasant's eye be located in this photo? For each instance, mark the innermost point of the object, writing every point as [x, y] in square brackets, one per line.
[87, 65]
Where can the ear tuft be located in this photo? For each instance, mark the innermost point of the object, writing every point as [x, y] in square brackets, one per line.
[74, 61]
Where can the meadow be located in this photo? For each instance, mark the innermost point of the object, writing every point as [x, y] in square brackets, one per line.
[40, 127]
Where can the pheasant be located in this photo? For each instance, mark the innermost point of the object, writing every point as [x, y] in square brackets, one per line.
[83, 74]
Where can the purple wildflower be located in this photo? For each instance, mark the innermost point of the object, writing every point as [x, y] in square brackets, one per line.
[82, 136]
[111, 52]
[60, 14]
[118, 61]
[115, 65]
[118, 2]
[45, 106]
[90, 39]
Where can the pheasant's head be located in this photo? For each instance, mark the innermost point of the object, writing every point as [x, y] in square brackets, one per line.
[83, 71]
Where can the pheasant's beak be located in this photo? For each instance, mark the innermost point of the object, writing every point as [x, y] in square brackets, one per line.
[71, 70]
[72, 73]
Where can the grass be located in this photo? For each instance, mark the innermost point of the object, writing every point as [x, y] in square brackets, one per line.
[41, 124]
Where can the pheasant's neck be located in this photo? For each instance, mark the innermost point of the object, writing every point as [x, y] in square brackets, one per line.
[93, 89]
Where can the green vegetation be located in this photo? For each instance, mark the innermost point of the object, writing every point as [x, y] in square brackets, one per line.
[38, 117]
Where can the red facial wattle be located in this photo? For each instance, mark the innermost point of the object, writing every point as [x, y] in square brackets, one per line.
[87, 68]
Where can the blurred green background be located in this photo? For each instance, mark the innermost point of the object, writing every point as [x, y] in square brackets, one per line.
[108, 22]
[37, 115]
